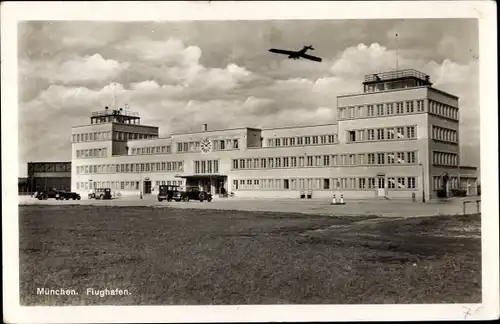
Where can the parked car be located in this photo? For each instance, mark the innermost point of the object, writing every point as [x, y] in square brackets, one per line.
[71, 195]
[166, 192]
[52, 193]
[100, 193]
[192, 193]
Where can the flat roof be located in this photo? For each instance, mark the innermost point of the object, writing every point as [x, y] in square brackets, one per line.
[304, 126]
[215, 130]
[114, 123]
[400, 89]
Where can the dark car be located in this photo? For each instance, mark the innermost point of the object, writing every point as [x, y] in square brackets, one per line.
[100, 193]
[53, 193]
[166, 192]
[192, 193]
[71, 195]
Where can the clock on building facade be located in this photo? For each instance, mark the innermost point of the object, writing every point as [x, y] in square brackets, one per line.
[206, 146]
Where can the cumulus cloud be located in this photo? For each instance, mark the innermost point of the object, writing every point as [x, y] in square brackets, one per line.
[92, 68]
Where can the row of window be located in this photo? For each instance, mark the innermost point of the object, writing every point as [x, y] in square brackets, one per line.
[123, 185]
[444, 110]
[106, 136]
[327, 183]
[444, 158]
[130, 167]
[326, 160]
[381, 109]
[151, 150]
[302, 140]
[206, 166]
[382, 134]
[438, 183]
[444, 134]
[91, 153]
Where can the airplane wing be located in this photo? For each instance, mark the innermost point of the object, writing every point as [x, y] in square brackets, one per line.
[278, 51]
[312, 58]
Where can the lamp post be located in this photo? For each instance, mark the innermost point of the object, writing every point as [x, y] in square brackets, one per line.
[423, 182]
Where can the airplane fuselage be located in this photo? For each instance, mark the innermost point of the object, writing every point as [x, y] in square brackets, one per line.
[297, 54]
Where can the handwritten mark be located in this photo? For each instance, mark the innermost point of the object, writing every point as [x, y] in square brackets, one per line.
[469, 312]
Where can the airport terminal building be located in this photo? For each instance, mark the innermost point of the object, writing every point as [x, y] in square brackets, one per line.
[396, 138]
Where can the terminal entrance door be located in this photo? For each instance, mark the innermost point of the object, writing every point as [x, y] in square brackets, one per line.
[147, 187]
[381, 190]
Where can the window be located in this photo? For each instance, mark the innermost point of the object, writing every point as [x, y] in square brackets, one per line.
[380, 110]
[323, 139]
[331, 139]
[390, 109]
[391, 183]
[286, 184]
[361, 159]
[362, 183]
[315, 140]
[411, 183]
[263, 163]
[292, 141]
[179, 147]
[371, 111]
[401, 157]
[399, 107]
[293, 162]
[361, 111]
[400, 132]
[278, 162]
[409, 106]
[277, 142]
[380, 134]
[391, 158]
[390, 133]
[411, 157]
[285, 162]
[420, 105]
[309, 161]
[299, 141]
[307, 140]
[352, 136]
[242, 163]
[401, 182]
[285, 141]
[371, 134]
[326, 184]
[410, 130]
[381, 158]
[371, 158]
[326, 160]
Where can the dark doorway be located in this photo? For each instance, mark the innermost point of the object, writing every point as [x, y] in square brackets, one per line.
[147, 187]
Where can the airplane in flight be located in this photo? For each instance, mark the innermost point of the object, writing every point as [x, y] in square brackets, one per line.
[295, 55]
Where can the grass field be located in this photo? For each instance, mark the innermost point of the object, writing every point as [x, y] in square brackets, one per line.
[185, 256]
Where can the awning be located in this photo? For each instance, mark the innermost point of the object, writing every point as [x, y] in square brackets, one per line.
[201, 176]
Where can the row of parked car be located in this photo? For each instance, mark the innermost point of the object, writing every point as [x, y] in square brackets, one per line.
[182, 193]
[57, 194]
[166, 192]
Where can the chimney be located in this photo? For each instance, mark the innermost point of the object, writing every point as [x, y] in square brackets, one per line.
[204, 127]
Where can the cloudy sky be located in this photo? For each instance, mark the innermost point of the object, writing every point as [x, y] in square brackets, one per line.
[180, 75]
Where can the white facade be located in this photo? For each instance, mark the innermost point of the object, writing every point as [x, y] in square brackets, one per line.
[396, 139]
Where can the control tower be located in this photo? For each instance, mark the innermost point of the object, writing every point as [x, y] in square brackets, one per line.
[395, 80]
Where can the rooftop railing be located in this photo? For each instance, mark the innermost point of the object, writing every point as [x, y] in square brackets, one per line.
[396, 75]
[114, 112]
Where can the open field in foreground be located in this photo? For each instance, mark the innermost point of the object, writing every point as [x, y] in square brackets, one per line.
[187, 256]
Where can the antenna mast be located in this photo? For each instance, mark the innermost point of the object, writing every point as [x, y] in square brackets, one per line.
[397, 53]
[114, 93]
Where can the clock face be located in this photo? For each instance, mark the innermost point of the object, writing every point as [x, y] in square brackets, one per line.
[206, 146]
